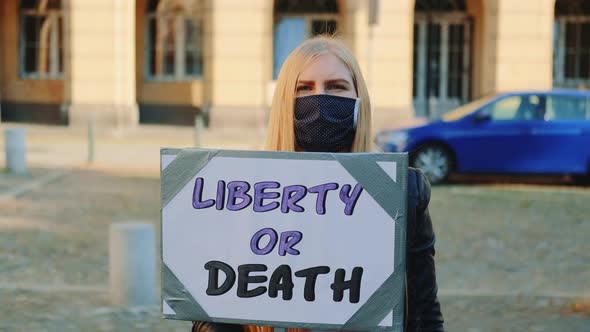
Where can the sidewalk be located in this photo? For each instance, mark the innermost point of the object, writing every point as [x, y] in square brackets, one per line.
[521, 267]
[135, 149]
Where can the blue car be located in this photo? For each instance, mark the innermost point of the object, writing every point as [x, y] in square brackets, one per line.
[535, 132]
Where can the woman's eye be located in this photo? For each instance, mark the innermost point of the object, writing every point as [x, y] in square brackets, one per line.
[303, 88]
[337, 87]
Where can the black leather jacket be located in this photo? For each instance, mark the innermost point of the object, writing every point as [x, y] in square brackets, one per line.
[422, 307]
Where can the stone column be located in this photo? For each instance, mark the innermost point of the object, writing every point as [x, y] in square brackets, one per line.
[100, 63]
[240, 60]
[523, 38]
[384, 53]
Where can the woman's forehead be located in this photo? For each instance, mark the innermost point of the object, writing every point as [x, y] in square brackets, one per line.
[325, 67]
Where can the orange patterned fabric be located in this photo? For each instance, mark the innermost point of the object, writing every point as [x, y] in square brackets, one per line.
[251, 328]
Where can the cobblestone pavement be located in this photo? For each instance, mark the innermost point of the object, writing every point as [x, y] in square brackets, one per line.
[509, 257]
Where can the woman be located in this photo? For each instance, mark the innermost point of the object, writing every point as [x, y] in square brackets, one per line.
[321, 104]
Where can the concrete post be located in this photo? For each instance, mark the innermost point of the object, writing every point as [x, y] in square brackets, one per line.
[91, 140]
[132, 265]
[16, 162]
[199, 127]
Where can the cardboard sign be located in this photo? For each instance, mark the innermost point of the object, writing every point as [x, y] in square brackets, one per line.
[285, 239]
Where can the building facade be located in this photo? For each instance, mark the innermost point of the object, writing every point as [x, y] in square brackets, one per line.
[124, 62]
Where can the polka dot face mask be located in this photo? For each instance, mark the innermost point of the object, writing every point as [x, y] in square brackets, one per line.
[325, 123]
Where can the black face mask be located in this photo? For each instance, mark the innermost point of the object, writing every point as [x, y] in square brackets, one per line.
[325, 123]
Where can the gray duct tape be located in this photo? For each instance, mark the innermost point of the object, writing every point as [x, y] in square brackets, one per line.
[389, 196]
[180, 299]
[377, 307]
[376, 182]
[183, 168]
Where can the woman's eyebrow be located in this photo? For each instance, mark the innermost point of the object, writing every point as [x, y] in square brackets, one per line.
[338, 80]
[305, 82]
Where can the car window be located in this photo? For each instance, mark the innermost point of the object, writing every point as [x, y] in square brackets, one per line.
[468, 108]
[567, 108]
[515, 108]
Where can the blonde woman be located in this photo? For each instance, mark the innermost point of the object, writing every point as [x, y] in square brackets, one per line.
[321, 104]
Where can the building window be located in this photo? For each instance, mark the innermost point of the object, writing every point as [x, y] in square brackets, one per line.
[441, 56]
[41, 39]
[456, 55]
[174, 40]
[296, 20]
[572, 43]
[577, 50]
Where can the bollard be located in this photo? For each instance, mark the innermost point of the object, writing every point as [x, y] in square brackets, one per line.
[132, 264]
[16, 162]
[199, 127]
[432, 107]
[91, 140]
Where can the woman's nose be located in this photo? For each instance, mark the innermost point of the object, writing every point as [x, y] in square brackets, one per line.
[320, 89]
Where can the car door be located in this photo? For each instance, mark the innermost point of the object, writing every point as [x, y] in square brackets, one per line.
[561, 138]
[496, 139]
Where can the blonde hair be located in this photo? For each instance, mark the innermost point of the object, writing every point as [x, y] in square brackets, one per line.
[281, 133]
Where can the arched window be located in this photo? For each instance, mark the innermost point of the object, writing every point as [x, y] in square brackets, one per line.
[442, 55]
[439, 5]
[572, 43]
[41, 39]
[296, 20]
[174, 42]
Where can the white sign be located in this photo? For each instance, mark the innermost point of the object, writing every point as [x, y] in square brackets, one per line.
[277, 240]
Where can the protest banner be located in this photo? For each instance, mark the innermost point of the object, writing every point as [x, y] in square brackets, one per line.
[284, 239]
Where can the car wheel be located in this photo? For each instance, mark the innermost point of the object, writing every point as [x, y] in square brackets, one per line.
[435, 161]
[582, 180]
